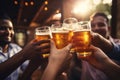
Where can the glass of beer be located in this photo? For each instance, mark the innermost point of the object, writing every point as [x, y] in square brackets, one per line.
[82, 39]
[61, 35]
[43, 33]
[70, 23]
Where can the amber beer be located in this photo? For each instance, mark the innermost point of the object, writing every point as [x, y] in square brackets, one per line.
[42, 36]
[43, 33]
[62, 38]
[82, 41]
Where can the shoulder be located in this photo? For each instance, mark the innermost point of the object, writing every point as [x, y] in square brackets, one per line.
[115, 40]
[15, 46]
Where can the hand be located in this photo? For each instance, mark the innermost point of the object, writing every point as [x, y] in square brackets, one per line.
[36, 48]
[60, 57]
[98, 58]
[57, 60]
[101, 42]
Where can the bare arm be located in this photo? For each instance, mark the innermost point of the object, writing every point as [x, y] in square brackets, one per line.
[112, 70]
[11, 64]
[57, 59]
[31, 49]
[36, 61]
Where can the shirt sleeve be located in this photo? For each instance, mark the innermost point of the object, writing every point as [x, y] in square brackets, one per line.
[115, 53]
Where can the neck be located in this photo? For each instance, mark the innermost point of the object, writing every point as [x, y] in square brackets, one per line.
[4, 47]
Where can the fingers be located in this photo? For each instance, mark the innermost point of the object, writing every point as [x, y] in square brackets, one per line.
[44, 46]
[41, 42]
[68, 48]
[94, 49]
[44, 51]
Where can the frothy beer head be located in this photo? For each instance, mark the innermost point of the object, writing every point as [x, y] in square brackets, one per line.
[62, 38]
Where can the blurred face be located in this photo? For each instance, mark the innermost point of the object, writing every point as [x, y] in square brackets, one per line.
[99, 25]
[6, 31]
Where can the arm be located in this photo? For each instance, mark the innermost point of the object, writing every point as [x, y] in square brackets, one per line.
[33, 65]
[31, 49]
[11, 64]
[57, 59]
[101, 61]
[112, 70]
[36, 61]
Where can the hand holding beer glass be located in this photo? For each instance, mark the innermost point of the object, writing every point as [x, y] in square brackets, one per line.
[43, 33]
[82, 39]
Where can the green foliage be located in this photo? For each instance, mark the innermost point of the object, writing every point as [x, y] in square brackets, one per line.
[106, 8]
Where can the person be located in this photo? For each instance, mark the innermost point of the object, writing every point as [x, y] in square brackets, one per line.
[12, 57]
[100, 24]
[103, 40]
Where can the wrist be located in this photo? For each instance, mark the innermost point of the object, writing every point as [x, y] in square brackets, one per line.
[53, 64]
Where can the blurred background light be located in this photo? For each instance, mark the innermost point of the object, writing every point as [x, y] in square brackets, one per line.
[96, 2]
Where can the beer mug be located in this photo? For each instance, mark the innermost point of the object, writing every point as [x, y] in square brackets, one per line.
[70, 23]
[61, 35]
[70, 20]
[82, 39]
[43, 33]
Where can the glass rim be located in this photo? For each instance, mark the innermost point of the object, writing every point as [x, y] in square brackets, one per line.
[71, 19]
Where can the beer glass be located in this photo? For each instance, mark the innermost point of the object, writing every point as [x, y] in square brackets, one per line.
[82, 39]
[70, 23]
[61, 35]
[43, 33]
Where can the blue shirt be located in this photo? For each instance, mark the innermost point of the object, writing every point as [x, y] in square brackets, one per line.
[115, 54]
[12, 50]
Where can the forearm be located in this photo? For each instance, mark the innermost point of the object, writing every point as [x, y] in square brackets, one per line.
[50, 72]
[29, 71]
[7, 67]
[112, 70]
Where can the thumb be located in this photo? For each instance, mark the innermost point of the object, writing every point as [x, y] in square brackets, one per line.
[68, 47]
[52, 44]
[93, 48]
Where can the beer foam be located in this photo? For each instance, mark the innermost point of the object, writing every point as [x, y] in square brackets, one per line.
[82, 30]
[60, 31]
[43, 33]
